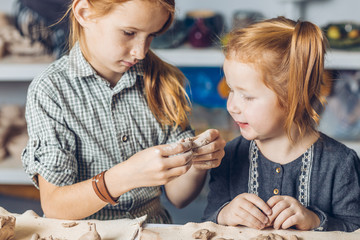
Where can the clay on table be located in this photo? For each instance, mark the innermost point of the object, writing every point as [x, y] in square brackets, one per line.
[36, 236]
[7, 227]
[92, 234]
[69, 224]
[273, 236]
[147, 234]
[203, 234]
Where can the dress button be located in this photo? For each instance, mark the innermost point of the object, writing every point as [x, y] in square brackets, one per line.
[278, 170]
[276, 191]
[124, 138]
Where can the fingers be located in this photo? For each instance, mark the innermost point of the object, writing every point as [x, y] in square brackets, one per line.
[216, 145]
[259, 203]
[277, 205]
[207, 142]
[207, 161]
[274, 199]
[287, 215]
[208, 150]
[205, 138]
[249, 210]
[247, 219]
[173, 148]
[177, 171]
[289, 222]
[179, 160]
[253, 216]
[287, 212]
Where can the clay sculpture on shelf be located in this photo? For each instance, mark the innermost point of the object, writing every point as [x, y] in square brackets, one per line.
[12, 43]
[13, 133]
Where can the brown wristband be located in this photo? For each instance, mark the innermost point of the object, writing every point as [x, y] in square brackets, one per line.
[99, 186]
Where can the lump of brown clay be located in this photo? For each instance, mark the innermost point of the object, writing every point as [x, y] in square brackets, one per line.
[293, 237]
[69, 224]
[271, 236]
[7, 227]
[201, 141]
[203, 234]
[92, 234]
[36, 236]
[149, 235]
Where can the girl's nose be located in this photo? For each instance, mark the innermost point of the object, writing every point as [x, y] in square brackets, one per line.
[139, 50]
[233, 106]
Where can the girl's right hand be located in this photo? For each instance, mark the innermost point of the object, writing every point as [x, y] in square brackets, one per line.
[247, 210]
[159, 165]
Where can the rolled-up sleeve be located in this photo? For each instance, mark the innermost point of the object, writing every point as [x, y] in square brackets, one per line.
[51, 149]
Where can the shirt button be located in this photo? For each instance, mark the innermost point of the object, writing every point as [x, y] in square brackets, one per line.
[125, 138]
[278, 170]
[276, 191]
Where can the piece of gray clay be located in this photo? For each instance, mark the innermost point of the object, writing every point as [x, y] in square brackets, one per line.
[7, 227]
[92, 234]
[203, 234]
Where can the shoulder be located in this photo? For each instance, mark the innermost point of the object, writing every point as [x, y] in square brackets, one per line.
[330, 146]
[50, 77]
[334, 153]
[237, 148]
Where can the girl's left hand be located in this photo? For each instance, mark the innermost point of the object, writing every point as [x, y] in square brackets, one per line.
[208, 148]
[288, 211]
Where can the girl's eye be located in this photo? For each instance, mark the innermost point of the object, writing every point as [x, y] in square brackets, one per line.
[248, 98]
[128, 33]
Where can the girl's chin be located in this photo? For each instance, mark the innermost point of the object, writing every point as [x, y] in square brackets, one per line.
[248, 137]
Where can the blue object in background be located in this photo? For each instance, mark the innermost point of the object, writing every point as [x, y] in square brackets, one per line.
[203, 83]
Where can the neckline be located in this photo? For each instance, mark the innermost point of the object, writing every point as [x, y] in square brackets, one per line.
[297, 160]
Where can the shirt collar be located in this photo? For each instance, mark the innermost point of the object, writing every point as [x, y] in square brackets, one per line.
[80, 67]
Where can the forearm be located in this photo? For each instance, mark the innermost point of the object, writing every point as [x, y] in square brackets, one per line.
[76, 201]
[333, 223]
[79, 200]
[182, 190]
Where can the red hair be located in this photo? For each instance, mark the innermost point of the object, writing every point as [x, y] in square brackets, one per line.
[290, 57]
[164, 83]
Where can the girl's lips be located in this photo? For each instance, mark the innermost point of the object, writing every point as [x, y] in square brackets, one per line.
[242, 124]
[129, 64]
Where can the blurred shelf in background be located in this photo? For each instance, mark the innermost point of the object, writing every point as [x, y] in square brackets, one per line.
[25, 69]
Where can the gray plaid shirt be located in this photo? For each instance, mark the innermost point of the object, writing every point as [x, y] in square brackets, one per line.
[79, 126]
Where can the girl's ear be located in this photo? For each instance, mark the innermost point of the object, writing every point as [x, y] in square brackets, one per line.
[81, 10]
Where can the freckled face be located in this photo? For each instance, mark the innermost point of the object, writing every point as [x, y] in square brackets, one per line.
[121, 38]
[252, 105]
